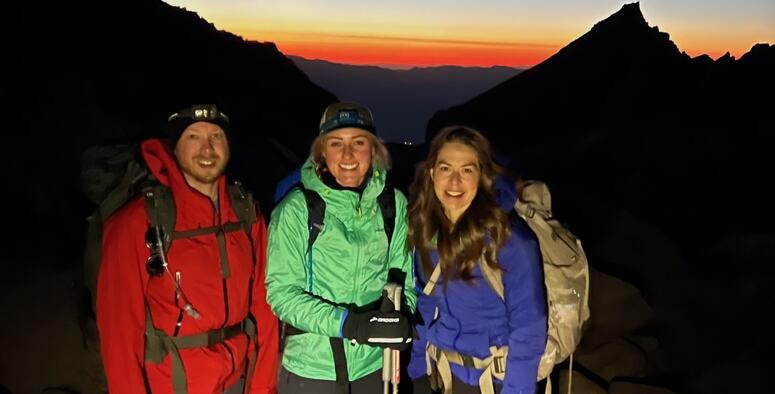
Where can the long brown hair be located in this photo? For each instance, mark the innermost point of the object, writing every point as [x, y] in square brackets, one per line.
[479, 232]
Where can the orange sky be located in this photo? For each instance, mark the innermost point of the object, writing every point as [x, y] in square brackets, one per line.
[404, 33]
[408, 51]
[400, 51]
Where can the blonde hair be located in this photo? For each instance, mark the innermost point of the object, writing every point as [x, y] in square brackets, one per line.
[380, 156]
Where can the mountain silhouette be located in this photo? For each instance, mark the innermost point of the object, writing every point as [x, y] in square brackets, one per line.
[91, 72]
[659, 161]
[403, 100]
[620, 73]
[623, 100]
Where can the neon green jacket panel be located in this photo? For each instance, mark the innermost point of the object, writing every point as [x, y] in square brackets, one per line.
[348, 266]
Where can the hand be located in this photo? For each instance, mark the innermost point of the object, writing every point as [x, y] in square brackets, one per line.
[384, 329]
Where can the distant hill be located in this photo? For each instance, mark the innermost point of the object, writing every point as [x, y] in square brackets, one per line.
[403, 100]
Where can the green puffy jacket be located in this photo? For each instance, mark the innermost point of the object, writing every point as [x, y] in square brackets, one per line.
[348, 265]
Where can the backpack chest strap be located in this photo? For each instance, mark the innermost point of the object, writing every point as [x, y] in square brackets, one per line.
[226, 228]
[219, 232]
[438, 366]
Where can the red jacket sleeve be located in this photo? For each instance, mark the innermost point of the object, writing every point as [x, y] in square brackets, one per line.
[265, 376]
[120, 302]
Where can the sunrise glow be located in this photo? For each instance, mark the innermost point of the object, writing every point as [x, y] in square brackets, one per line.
[468, 33]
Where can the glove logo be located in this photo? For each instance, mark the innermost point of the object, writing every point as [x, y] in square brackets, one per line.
[383, 319]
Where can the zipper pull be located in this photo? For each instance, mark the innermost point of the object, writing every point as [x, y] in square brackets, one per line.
[177, 281]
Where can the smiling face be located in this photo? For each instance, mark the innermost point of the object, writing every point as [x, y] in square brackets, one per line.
[348, 153]
[455, 178]
[202, 152]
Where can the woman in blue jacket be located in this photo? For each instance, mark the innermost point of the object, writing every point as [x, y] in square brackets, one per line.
[471, 339]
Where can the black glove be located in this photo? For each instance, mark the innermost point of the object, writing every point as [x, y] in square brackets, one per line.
[383, 328]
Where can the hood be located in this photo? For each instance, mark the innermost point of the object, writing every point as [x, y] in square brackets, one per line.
[505, 193]
[162, 163]
[192, 207]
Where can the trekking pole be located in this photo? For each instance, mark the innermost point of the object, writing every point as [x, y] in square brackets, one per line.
[396, 359]
[570, 373]
[391, 358]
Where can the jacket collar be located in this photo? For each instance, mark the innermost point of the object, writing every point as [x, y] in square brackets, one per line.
[346, 203]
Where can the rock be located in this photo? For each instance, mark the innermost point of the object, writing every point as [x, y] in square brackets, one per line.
[619, 358]
[636, 388]
[617, 309]
[580, 384]
[735, 377]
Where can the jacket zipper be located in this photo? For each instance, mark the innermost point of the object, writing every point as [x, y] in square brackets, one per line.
[358, 265]
[223, 280]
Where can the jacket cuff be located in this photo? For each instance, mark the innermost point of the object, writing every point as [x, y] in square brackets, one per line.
[341, 321]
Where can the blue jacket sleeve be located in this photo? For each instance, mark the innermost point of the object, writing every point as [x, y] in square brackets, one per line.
[426, 308]
[525, 299]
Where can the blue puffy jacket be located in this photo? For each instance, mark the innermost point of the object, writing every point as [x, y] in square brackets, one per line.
[472, 317]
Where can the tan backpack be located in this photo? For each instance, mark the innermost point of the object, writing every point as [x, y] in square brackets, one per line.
[566, 276]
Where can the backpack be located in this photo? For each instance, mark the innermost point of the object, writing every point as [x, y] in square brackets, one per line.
[113, 175]
[110, 176]
[566, 275]
[566, 278]
[292, 180]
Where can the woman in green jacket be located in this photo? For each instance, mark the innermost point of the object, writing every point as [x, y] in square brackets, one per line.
[333, 289]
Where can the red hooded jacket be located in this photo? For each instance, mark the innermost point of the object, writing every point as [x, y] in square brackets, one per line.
[124, 288]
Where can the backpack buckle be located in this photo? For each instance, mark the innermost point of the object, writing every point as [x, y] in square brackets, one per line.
[498, 365]
[530, 212]
[216, 337]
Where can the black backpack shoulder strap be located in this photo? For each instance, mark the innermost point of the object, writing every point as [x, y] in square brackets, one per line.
[316, 211]
[245, 208]
[243, 204]
[387, 204]
[160, 208]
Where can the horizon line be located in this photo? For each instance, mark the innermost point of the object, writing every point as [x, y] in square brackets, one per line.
[401, 67]
[249, 32]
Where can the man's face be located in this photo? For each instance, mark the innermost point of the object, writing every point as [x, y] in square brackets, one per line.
[202, 152]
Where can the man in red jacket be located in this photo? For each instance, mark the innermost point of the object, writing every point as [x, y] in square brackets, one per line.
[177, 309]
